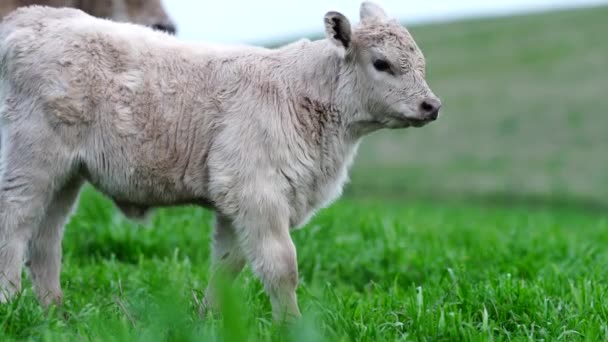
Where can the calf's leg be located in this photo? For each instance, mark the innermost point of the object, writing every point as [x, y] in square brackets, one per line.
[263, 229]
[227, 259]
[45, 246]
[32, 168]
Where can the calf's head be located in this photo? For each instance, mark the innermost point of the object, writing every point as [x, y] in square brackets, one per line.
[385, 68]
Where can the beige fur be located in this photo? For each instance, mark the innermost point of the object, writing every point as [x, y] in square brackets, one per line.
[144, 12]
[263, 137]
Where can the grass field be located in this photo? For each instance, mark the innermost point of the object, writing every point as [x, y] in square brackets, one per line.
[490, 224]
[370, 270]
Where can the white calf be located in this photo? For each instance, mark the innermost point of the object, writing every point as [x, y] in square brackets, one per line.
[262, 137]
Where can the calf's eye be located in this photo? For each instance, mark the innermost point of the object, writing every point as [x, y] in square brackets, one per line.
[382, 66]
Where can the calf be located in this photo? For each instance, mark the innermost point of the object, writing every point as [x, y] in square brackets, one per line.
[145, 12]
[262, 137]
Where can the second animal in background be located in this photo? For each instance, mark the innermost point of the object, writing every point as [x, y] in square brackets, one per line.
[150, 13]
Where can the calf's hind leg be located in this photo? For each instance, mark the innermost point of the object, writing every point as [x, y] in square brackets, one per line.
[45, 246]
[33, 168]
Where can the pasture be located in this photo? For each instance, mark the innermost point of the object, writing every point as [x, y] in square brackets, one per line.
[490, 224]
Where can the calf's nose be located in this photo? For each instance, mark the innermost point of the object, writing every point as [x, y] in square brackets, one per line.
[429, 108]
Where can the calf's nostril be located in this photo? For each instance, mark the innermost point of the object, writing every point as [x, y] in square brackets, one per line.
[427, 107]
[430, 108]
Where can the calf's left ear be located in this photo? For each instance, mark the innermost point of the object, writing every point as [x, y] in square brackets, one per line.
[337, 29]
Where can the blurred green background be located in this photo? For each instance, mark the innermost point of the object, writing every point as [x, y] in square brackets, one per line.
[524, 117]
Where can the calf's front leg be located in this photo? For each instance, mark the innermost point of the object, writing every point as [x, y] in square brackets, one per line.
[263, 232]
[227, 259]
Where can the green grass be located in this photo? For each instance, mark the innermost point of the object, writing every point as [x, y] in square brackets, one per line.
[490, 224]
[369, 271]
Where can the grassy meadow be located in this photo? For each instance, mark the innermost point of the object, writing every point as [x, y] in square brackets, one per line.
[488, 225]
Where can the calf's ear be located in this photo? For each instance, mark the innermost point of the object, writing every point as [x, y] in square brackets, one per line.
[337, 29]
[371, 10]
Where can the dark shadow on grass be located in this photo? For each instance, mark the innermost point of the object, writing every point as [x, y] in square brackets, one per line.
[124, 251]
[489, 199]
